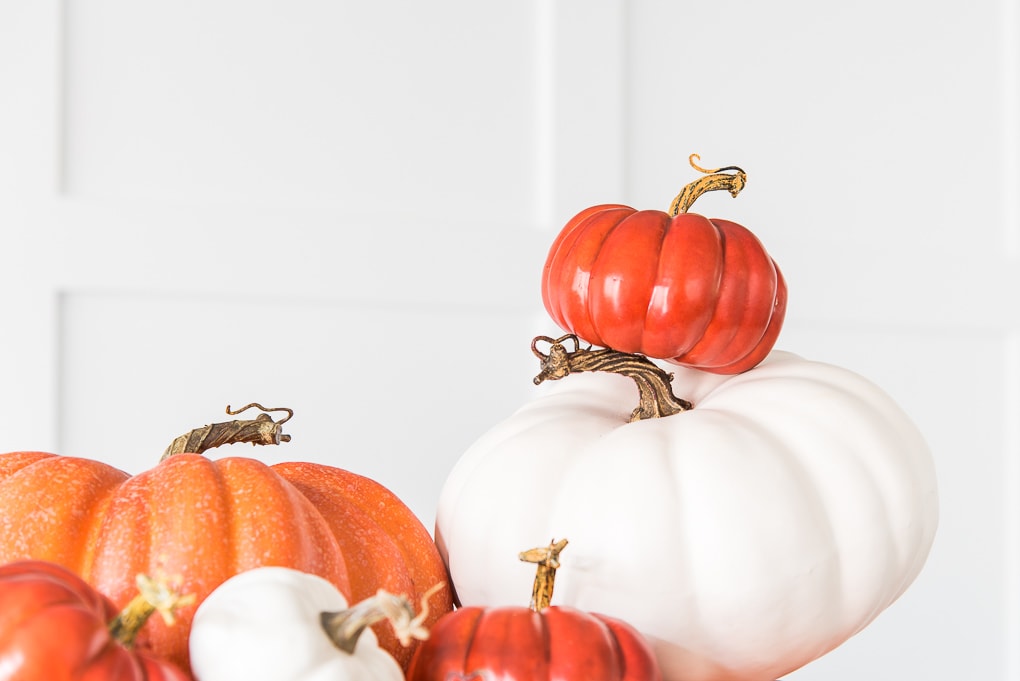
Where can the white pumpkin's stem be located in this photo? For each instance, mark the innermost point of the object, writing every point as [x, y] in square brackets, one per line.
[547, 558]
[655, 392]
[345, 627]
[715, 180]
[261, 430]
[155, 595]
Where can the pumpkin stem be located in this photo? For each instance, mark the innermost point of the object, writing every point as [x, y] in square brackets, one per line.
[714, 180]
[345, 627]
[261, 430]
[547, 558]
[157, 594]
[655, 393]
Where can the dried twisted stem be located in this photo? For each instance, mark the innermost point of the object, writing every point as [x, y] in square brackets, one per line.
[547, 558]
[716, 179]
[261, 430]
[157, 594]
[345, 627]
[655, 393]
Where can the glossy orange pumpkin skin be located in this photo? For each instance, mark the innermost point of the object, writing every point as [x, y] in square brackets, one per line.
[518, 644]
[53, 627]
[691, 290]
[207, 520]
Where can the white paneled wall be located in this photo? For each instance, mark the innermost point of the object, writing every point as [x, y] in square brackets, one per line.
[385, 108]
[880, 142]
[344, 207]
[260, 202]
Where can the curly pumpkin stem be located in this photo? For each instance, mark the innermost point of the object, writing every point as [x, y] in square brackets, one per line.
[547, 558]
[655, 393]
[715, 179]
[261, 430]
[345, 627]
[155, 594]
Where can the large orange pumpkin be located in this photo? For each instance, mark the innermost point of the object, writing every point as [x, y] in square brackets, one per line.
[207, 520]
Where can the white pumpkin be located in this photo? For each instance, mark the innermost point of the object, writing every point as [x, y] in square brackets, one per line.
[266, 624]
[744, 537]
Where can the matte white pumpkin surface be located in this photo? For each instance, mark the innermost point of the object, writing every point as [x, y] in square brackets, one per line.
[745, 537]
[263, 625]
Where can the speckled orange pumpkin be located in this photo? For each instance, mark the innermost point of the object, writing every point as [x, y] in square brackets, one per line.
[207, 520]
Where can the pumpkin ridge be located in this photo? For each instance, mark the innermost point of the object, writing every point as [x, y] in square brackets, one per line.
[271, 486]
[711, 343]
[469, 639]
[608, 265]
[53, 595]
[617, 647]
[13, 462]
[770, 332]
[563, 250]
[610, 632]
[224, 496]
[24, 494]
[658, 267]
[589, 299]
[94, 523]
[869, 477]
[354, 506]
[679, 229]
[115, 519]
[563, 261]
[545, 635]
[863, 475]
[358, 523]
[754, 321]
[716, 297]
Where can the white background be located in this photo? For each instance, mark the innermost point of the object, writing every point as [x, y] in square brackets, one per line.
[344, 208]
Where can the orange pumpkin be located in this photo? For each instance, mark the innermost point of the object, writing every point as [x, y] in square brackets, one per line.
[207, 520]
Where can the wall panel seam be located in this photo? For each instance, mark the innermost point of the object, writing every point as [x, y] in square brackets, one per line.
[1010, 117]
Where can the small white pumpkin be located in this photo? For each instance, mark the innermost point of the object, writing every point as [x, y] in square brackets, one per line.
[266, 624]
[745, 536]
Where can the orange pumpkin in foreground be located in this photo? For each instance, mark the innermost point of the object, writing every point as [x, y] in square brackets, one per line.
[206, 520]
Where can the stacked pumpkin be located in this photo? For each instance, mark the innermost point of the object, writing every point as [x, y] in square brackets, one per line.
[745, 527]
[732, 533]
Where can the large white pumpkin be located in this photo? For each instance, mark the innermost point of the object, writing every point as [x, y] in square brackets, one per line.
[745, 537]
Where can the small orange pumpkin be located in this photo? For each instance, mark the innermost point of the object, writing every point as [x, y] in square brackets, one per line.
[207, 520]
[534, 643]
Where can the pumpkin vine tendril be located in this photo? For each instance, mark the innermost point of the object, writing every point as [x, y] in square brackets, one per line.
[655, 392]
[715, 179]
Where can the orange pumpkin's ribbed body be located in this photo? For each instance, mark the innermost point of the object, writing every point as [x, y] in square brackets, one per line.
[686, 289]
[207, 520]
